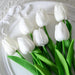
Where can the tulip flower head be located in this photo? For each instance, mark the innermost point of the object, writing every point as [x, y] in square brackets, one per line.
[39, 37]
[60, 12]
[42, 18]
[24, 26]
[61, 32]
[26, 45]
[10, 45]
[20, 27]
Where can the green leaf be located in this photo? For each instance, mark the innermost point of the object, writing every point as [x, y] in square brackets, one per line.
[46, 53]
[59, 65]
[70, 53]
[74, 63]
[63, 46]
[63, 62]
[24, 63]
[67, 43]
[37, 50]
[43, 71]
[48, 62]
[68, 24]
[45, 60]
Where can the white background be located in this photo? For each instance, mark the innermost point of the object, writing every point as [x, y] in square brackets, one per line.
[5, 4]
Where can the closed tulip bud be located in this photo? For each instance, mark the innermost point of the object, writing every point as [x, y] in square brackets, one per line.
[20, 27]
[42, 18]
[10, 46]
[60, 12]
[61, 32]
[26, 45]
[39, 37]
[24, 26]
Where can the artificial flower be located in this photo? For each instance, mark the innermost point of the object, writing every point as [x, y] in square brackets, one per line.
[61, 32]
[42, 18]
[60, 12]
[26, 45]
[10, 45]
[39, 37]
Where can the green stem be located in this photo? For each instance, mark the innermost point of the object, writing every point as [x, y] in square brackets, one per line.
[50, 44]
[31, 36]
[19, 54]
[38, 61]
[49, 47]
[63, 46]
[34, 59]
[59, 45]
[45, 50]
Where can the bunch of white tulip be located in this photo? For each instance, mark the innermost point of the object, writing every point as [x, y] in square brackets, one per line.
[61, 30]
[40, 37]
[22, 29]
[18, 39]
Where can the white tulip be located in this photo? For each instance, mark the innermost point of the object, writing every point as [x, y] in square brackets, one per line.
[60, 12]
[14, 30]
[20, 27]
[42, 18]
[26, 45]
[10, 46]
[39, 37]
[24, 26]
[61, 32]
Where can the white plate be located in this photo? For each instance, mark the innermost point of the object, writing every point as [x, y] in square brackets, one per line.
[11, 68]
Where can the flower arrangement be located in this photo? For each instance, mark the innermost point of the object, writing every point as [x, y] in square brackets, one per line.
[48, 57]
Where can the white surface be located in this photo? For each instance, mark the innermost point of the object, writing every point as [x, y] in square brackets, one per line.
[6, 4]
[18, 70]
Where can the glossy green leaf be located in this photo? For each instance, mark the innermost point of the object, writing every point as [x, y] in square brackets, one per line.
[37, 50]
[48, 62]
[43, 71]
[24, 63]
[67, 43]
[74, 63]
[70, 53]
[44, 59]
[34, 59]
[59, 65]
[63, 62]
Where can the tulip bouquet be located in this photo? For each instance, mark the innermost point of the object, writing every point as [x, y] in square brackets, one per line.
[48, 58]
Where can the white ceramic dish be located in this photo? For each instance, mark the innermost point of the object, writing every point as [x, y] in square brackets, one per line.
[8, 67]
